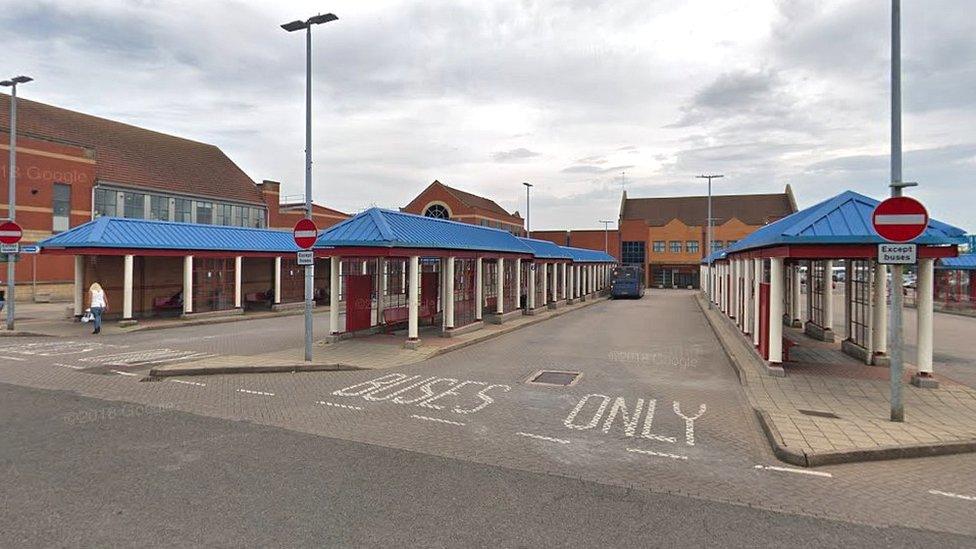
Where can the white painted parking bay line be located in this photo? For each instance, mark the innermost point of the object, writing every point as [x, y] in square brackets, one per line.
[255, 392]
[12, 358]
[121, 373]
[72, 366]
[792, 470]
[346, 406]
[542, 437]
[425, 418]
[658, 454]
[197, 383]
[951, 495]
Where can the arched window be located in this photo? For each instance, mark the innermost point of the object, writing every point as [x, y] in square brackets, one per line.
[438, 211]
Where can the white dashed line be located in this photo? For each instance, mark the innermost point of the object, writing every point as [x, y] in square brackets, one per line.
[951, 495]
[13, 358]
[541, 437]
[792, 470]
[255, 392]
[346, 406]
[197, 383]
[658, 454]
[438, 420]
[121, 373]
[72, 366]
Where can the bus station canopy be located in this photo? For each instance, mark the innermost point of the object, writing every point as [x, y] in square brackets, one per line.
[965, 262]
[544, 249]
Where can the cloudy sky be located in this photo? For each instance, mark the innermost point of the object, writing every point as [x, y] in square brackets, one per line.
[580, 97]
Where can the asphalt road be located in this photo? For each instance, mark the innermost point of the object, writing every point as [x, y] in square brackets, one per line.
[88, 472]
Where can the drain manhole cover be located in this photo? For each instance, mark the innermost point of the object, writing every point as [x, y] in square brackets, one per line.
[554, 377]
[818, 413]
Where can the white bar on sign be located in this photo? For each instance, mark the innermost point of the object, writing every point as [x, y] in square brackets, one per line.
[11, 233]
[900, 219]
[305, 234]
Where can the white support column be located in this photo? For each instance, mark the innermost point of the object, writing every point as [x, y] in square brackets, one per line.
[796, 295]
[544, 276]
[334, 286]
[747, 296]
[808, 314]
[734, 291]
[449, 295]
[79, 290]
[500, 279]
[880, 310]
[188, 284]
[413, 298]
[577, 275]
[277, 280]
[553, 288]
[127, 288]
[382, 268]
[530, 298]
[238, 266]
[518, 283]
[848, 273]
[828, 295]
[776, 279]
[562, 271]
[924, 304]
[757, 269]
[479, 295]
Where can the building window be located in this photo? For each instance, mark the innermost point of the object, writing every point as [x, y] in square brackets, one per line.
[134, 205]
[105, 203]
[184, 210]
[437, 211]
[691, 246]
[675, 246]
[716, 245]
[159, 208]
[658, 247]
[730, 242]
[205, 213]
[224, 214]
[632, 253]
[61, 205]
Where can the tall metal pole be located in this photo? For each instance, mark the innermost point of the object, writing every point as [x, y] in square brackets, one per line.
[708, 234]
[606, 235]
[895, 347]
[528, 230]
[309, 269]
[12, 204]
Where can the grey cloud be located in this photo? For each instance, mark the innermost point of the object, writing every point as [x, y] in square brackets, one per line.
[594, 169]
[520, 153]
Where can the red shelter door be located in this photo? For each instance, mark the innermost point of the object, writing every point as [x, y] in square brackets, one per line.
[429, 293]
[764, 320]
[359, 302]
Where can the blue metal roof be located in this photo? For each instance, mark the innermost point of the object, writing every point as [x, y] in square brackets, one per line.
[117, 232]
[966, 262]
[843, 219]
[583, 255]
[377, 227]
[544, 249]
[717, 255]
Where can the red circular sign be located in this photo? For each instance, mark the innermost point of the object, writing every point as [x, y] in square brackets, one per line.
[900, 219]
[305, 233]
[10, 232]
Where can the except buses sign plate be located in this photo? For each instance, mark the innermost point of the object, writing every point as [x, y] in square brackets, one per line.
[897, 254]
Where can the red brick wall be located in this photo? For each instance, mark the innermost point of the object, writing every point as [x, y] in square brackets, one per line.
[459, 210]
[596, 240]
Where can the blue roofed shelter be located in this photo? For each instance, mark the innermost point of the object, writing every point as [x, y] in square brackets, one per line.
[760, 281]
[955, 284]
[404, 269]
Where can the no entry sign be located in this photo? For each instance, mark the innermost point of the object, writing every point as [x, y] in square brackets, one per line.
[305, 233]
[10, 233]
[900, 219]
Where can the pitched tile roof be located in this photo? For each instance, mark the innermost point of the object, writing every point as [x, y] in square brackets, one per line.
[128, 155]
[751, 209]
[476, 201]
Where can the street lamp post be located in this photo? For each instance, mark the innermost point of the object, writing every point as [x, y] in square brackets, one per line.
[528, 231]
[310, 269]
[708, 233]
[12, 188]
[606, 235]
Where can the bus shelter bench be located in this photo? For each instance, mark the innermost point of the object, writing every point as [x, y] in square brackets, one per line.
[258, 297]
[172, 303]
[395, 316]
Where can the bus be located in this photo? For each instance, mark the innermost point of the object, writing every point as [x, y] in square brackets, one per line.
[627, 281]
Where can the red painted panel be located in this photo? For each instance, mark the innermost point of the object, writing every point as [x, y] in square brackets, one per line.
[764, 320]
[429, 291]
[359, 302]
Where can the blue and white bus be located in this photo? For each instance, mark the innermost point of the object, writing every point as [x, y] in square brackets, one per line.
[627, 281]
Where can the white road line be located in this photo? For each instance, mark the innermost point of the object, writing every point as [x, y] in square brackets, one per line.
[121, 373]
[792, 470]
[658, 454]
[346, 406]
[255, 392]
[951, 495]
[438, 420]
[198, 384]
[541, 437]
[12, 358]
[72, 366]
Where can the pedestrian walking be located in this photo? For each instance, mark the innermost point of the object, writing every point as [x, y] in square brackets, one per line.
[97, 304]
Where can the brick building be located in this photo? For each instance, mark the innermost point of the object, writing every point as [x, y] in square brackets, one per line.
[440, 201]
[667, 235]
[591, 239]
[73, 167]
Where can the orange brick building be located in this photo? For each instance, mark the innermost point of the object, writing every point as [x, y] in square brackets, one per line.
[668, 235]
[439, 200]
[591, 239]
[73, 167]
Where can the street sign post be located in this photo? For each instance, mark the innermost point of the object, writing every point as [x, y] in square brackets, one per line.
[897, 254]
[305, 233]
[900, 219]
[306, 258]
[9, 249]
[10, 232]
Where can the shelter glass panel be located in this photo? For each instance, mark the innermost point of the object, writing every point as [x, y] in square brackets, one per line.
[213, 284]
[464, 293]
[817, 280]
[860, 301]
